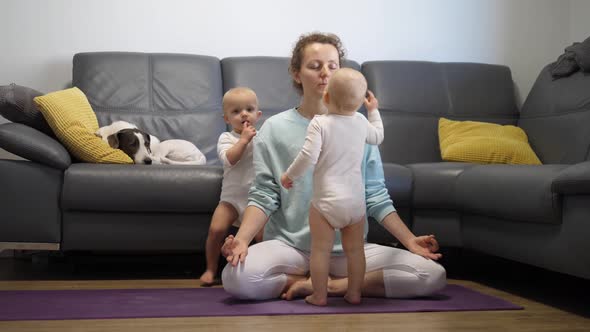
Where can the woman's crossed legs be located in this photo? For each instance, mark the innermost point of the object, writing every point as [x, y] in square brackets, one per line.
[274, 269]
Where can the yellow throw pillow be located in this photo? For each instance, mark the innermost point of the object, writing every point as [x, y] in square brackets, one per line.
[484, 143]
[73, 121]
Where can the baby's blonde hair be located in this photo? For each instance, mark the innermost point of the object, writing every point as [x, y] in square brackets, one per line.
[237, 91]
[347, 88]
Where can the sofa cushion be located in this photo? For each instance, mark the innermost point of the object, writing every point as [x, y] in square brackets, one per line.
[30, 209]
[555, 117]
[33, 145]
[516, 192]
[171, 96]
[484, 143]
[574, 180]
[70, 116]
[139, 232]
[185, 125]
[398, 181]
[413, 95]
[16, 105]
[141, 188]
[434, 184]
[269, 77]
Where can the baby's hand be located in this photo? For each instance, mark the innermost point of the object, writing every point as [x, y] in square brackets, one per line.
[286, 182]
[371, 103]
[248, 132]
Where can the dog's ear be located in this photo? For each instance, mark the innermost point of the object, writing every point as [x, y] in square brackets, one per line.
[113, 141]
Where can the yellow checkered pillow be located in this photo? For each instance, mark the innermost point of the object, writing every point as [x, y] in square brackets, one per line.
[73, 121]
[484, 143]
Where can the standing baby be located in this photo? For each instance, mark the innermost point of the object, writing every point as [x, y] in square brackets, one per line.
[335, 144]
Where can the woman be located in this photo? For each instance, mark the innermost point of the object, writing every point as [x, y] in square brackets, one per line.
[279, 266]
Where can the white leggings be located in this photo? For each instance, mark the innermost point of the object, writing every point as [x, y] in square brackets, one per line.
[263, 275]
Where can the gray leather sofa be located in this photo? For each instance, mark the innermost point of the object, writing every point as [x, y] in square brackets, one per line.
[538, 215]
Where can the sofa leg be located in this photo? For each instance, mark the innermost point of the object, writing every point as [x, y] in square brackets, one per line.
[28, 246]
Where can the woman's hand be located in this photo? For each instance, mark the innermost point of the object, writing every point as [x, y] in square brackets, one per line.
[371, 102]
[235, 250]
[425, 246]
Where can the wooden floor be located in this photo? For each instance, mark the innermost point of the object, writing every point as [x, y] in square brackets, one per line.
[552, 302]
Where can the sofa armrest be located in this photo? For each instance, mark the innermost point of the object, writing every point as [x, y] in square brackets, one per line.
[33, 145]
[573, 180]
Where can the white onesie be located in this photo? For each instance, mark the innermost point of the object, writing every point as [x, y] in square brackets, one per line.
[237, 178]
[336, 144]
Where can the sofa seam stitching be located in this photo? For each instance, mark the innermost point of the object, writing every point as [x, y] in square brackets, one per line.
[447, 90]
[150, 83]
[549, 115]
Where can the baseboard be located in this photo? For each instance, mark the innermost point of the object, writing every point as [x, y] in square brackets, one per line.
[28, 246]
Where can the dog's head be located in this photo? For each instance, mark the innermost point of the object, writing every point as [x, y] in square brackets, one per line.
[113, 128]
[134, 142]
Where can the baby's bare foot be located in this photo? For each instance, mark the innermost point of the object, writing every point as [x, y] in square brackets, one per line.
[208, 278]
[316, 300]
[352, 298]
[298, 289]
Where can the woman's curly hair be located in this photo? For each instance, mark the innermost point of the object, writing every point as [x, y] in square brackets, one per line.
[303, 42]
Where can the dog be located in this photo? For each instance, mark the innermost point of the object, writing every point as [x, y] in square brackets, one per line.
[128, 138]
[113, 128]
[134, 142]
[144, 148]
[177, 152]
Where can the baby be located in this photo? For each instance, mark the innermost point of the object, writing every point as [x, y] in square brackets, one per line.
[335, 144]
[240, 111]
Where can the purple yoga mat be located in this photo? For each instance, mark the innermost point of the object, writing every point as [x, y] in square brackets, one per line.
[198, 302]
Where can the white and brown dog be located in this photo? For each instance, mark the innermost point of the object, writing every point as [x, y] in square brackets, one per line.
[144, 148]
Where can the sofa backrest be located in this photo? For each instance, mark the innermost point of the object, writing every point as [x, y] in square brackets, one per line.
[269, 77]
[172, 96]
[413, 95]
[556, 118]
[179, 95]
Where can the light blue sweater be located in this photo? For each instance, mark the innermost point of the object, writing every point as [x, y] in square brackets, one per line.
[275, 146]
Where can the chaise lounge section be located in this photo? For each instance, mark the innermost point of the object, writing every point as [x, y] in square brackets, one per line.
[535, 214]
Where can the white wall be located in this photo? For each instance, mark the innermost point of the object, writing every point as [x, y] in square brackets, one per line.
[579, 22]
[40, 37]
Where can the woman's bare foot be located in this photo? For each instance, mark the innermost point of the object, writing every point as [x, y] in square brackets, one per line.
[317, 300]
[298, 289]
[352, 298]
[208, 278]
